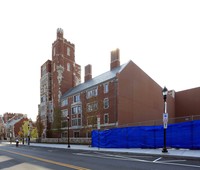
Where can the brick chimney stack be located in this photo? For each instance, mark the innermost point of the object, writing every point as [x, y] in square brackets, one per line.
[115, 60]
[88, 72]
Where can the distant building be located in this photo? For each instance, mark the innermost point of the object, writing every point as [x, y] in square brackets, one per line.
[10, 124]
[123, 96]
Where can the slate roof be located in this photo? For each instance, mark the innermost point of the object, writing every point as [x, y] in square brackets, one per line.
[94, 81]
[13, 122]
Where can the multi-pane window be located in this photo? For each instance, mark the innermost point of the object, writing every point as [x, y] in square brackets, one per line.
[76, 109]
[106, 118]
[106, 103]
[92, 106]
[92, 92]
[76, 134]
[68, 51]
[105, 88]
[64, 113]
[76, 122]
[64, 102]
[76, 98]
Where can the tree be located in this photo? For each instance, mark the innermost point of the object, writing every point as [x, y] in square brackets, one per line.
[48, 129]
[26, 128]
[34, 133]
[40, 126]
[57, 118]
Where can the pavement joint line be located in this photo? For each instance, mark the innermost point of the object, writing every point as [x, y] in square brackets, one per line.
[170, 161]
[48, 161]
[177, 164]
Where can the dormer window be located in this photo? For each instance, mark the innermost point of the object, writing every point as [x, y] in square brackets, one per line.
[92, 93]
[76, 98]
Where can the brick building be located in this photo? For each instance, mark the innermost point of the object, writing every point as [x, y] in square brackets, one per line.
[57, 76]
[11, 124]
[122, 96]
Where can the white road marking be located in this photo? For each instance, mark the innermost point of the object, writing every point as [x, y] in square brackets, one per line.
[5, 158]
[118, 157]
[111, 157]
[157, 159]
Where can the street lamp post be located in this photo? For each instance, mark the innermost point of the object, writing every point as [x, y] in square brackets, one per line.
[165, 118]
[68, 131]
[10, 131]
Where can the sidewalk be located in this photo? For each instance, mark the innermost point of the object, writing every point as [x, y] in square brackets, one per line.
[171, 152]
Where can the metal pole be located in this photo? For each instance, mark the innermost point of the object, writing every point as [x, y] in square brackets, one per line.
[165, 111]
[68, 133]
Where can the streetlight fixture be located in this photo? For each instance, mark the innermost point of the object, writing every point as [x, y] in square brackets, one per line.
[165, 118]
[68, 131]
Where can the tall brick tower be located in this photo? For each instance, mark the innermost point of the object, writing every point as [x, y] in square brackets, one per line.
[65, 72]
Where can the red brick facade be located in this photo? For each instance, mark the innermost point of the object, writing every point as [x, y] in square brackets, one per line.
[65, 72]
[123, 96]
[188, 102]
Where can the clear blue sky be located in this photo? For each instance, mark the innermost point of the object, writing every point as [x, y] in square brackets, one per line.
[161, 37]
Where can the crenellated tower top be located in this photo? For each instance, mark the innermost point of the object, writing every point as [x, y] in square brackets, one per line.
[59, 33]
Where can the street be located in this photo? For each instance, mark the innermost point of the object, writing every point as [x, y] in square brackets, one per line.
[25, 157]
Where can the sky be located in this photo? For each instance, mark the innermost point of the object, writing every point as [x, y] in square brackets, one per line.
[161, 36]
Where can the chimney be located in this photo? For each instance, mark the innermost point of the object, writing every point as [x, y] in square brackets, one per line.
[88, 72]
[115, 60]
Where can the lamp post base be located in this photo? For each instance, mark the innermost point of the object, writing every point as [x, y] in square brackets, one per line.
[164, 150]
[68, 146]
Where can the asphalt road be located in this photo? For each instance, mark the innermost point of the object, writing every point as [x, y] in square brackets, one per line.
[38, 158]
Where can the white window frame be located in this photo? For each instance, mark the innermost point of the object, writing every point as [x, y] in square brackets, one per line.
[76, 98]
[92, 92]
[106, 88]
[76, 121]
[76, 109]
[92, 106]
[106, 103]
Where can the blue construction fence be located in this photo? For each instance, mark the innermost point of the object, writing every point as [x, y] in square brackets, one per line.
[179, 135]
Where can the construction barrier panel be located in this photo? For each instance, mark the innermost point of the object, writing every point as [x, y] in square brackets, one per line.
[179, 135]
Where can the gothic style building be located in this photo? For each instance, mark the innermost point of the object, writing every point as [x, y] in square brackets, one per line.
[124, 95]
[57, 76]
